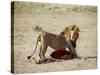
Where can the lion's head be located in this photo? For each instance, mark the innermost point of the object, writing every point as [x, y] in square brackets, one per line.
[71, 33]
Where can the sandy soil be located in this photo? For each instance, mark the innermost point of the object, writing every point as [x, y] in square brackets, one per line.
[53, 21]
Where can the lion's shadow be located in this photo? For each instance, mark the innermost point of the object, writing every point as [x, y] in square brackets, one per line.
[50, 60]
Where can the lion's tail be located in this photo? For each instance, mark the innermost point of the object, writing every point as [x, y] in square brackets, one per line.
[38, 39]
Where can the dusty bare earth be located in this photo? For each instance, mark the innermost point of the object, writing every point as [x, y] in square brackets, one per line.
[52, 18]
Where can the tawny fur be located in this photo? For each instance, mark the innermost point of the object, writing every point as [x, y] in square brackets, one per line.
[66, 39]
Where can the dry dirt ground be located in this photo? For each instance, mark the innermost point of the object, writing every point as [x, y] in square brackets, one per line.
[52, 20]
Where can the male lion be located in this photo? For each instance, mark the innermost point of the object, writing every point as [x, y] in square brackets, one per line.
[67, 39]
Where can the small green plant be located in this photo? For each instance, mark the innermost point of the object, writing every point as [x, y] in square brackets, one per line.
[37, 28]
[75, 9]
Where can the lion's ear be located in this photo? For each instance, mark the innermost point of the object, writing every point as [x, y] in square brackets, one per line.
[62, 33]
[78, 29]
